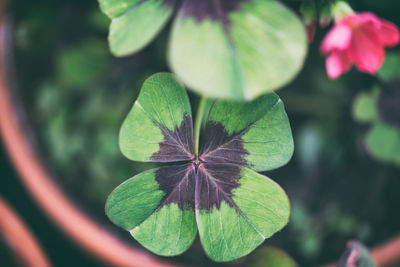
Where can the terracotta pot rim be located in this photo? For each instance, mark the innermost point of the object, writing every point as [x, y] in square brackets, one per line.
[63, 212]
[77, 225]
[19, 238]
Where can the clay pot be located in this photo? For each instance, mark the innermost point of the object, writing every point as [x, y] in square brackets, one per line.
[19, 239]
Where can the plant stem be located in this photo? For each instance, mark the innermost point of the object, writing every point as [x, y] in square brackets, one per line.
[197, 123]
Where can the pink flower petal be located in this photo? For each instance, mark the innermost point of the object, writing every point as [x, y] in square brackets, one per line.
[363, 18]
[389, 34]
[366, 50]
[336, 64]
[359, 39]
[338, 38]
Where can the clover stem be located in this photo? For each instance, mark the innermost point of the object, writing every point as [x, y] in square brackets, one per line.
[197, 123]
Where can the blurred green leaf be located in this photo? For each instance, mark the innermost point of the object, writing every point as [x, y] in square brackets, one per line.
[383, 143]
[250, 48]
[135, 23]
[270, 257]
[365, 106]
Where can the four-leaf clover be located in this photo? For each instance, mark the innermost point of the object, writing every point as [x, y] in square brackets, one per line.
[235, 49]
[216, 191]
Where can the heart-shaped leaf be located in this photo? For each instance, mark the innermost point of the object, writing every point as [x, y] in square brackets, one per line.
[234, 207]
[255, 134]
[159, 127]
[237, 49]
[237, 209]
[157, 207]
[135, 22]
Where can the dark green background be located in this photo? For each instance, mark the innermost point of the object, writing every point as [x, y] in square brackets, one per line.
[343, 172]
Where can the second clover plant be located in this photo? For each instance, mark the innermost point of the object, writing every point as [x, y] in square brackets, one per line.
[216, 190]
[231, 49]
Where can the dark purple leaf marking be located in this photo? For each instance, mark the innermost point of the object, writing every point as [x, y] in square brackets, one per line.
[210, 9]
[389, 103]
[207, 180]
[178, 183]
[220, 147]
[206, 184]
[177, 145]
[214, 184]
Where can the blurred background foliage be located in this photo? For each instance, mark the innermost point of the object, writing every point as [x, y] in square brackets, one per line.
[343, 180]
[380, 107]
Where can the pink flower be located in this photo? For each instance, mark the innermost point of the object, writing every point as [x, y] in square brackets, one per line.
[358, 39]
